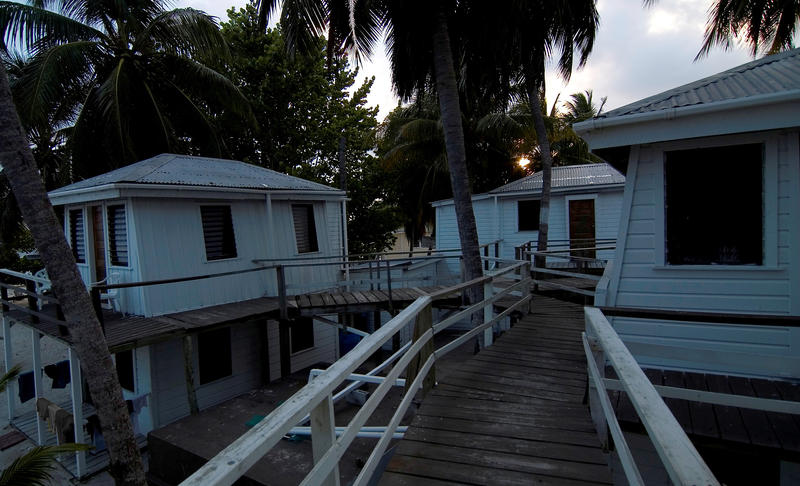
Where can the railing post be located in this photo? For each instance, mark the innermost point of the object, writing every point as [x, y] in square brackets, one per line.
[488, 314]
[423, 323]
[281, 277]
[596, 410]
[496, 252]
[30, 285]
[525, 275]
[76, 393]
[36, 358]
[486, 255]
[97, 308]
[323, 436]
[389, 285]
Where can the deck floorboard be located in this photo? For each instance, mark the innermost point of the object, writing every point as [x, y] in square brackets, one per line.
[512, 414]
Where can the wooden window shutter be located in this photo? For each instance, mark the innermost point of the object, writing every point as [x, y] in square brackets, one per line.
[117, 236]
[218, 232]
[77, 237]
[305, 229]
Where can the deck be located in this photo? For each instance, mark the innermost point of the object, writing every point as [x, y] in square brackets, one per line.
[127, 332]
[512, 414]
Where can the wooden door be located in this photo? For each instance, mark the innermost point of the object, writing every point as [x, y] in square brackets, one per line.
[581, 227]
[98, 244]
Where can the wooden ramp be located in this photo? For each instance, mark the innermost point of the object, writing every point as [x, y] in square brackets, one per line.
[512, 414]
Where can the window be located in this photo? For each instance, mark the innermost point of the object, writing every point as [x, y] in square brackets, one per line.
[117, 236]
[528, 215]
[714, 206]
[302, 334]
[77, 237]
[218, 232]
[214, 354]
[125, 369]
[305, 230]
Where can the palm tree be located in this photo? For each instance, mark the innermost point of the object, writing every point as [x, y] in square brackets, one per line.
[421, 56]
[758, 22]
[581, 107]
[139, 68]
[35, 467]
[84, 328]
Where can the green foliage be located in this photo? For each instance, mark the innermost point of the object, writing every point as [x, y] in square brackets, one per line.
[131, 76]
[35, 467]
[304, 106]
[9, 376]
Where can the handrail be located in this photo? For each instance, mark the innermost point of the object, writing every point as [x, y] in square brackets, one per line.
[679, 456]
[706, 317]
[315, 398]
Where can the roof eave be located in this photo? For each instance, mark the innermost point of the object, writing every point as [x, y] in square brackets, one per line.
[753, 113]
[119, 190]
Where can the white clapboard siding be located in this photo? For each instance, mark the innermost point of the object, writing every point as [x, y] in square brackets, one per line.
[641, 279]
[169, 381]
[324, 350]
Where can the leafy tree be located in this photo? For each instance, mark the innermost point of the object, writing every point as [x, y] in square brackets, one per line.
[304, 108]
[582, 107]
[84, 328]
[140, 69]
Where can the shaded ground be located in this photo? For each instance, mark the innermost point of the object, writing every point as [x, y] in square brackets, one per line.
[179, 448]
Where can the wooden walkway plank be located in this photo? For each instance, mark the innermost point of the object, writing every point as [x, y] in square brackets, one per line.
[512, 414]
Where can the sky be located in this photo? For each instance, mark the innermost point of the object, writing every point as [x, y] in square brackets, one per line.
[638, 52]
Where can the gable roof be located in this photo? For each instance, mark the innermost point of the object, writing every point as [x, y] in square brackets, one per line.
[769, 75]
[201, 172]
[757, 96]
[567, 177]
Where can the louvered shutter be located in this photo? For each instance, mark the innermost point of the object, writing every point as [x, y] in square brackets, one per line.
[117, 236]
[305, 230]
[218, 232]
[77, 237]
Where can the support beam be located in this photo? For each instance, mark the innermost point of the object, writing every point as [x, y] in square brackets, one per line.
[36, 355]
[285, 347]
[188, 368]
[76, 391]
[8, 357]
[323, 436]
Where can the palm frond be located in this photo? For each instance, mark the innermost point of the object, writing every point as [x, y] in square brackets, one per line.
[199, 79]
[35, 467]
[37, 29]
[303, 22]
[184, 32]
[9, 376]
[46, 83]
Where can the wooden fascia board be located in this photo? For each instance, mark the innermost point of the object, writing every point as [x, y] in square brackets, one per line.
[692, 122]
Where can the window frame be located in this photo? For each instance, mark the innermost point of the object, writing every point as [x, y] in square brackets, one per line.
[769, 197]
[538, 215]
[312, 227]
[213, 345]
[73, 241]
[111, 262]
[292, 351]
[235, 255]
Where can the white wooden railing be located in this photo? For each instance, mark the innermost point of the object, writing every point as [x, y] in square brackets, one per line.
[679, 456]
[316, 400]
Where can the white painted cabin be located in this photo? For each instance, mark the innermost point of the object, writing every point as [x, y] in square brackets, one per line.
[710, 218]
[585, 203]
[175, 216]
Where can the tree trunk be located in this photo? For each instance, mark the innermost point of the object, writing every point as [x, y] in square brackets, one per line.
[456, 153]
[547, 172]
[84, 328]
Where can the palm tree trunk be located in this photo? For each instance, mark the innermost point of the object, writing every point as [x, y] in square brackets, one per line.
[547, 171]
[456, 153]
[84, 329]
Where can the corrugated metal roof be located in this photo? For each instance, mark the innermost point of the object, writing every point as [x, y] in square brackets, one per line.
[186, 170]
[571, 176]
[769, 75]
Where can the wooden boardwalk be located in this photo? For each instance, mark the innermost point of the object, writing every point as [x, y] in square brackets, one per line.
[512, 414]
